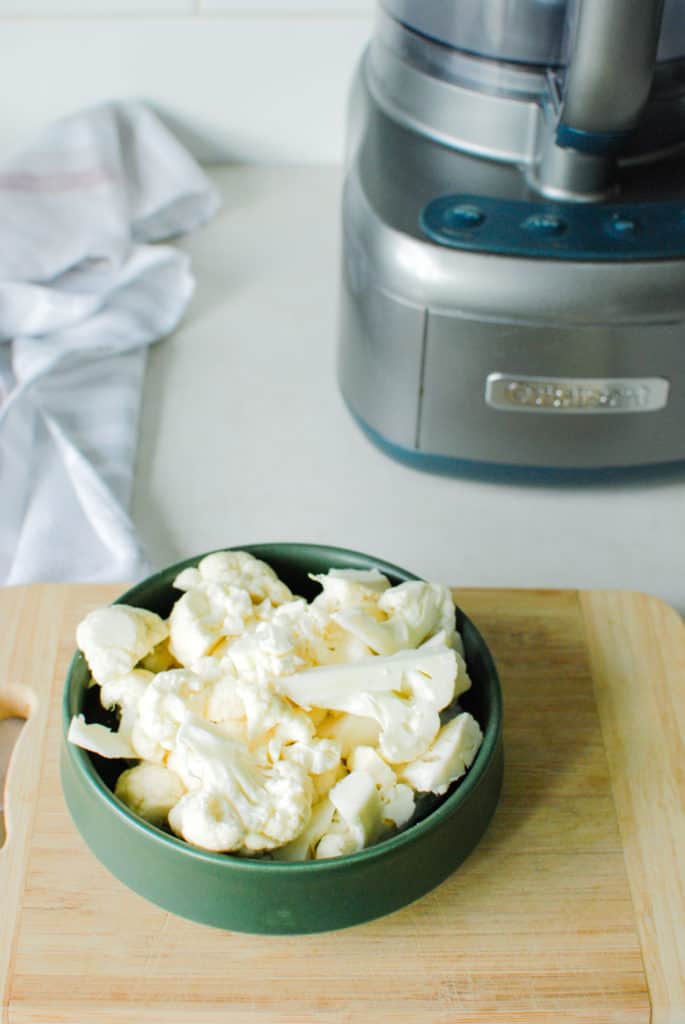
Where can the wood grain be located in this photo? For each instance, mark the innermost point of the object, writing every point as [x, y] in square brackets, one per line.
[543, 924]
[637, 653]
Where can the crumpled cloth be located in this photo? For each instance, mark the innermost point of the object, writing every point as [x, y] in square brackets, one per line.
[83, 292]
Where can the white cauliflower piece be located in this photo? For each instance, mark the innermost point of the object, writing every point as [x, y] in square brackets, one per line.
[448, 757]
[349, 587]
[270, 717]
[160, 659]
[265, 721]
[237, 569]
[304, 845]
[114, 639]
[317, 639]
[167, 701]
[316, 756]
[150, 790]
[397, 799]
[264, 653]
[98, 739]
[415, 611]
[235, 803]
[403, 693]
[323, 784]
[358, 819]
[125, 691]
[207, 819]
[204, 616]
[350, 732]
[224, 701]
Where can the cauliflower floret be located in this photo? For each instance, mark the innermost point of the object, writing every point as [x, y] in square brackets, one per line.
[358, 819]
[404, 693]
[114, 639]
[264, 653]
[125, 691]
[204, 616]
[167, 701]
[303, 846]
[237, 569]
[207, 819]
[447, 758]
[265, 721]
[343, 588]
[98, 739]
[234, 803]
[317, 639]
[224, 700]
[150, 790]
[350, 731]
[397, 799]
[414, 612]
[317, 757]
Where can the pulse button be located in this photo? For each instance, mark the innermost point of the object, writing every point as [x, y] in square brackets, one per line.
[622, 226]
[545, 224]
[463, 217]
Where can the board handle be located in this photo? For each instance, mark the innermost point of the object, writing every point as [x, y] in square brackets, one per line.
[31, 628]
[17, 705]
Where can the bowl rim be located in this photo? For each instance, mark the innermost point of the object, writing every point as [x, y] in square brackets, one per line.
[466, 786]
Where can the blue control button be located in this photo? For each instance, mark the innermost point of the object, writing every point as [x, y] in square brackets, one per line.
[545, 224]
[621, 226]
[463, 216]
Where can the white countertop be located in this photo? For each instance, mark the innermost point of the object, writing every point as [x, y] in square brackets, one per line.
[245, 437]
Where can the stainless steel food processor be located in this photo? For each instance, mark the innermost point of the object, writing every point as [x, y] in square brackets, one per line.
[514, 233]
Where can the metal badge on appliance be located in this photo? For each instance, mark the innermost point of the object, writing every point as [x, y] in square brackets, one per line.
[525, 393]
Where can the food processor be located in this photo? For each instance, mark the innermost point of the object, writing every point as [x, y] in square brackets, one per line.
[514, 234]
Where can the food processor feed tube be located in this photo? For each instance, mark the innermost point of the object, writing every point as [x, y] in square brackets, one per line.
[613, 49]
[514, 233]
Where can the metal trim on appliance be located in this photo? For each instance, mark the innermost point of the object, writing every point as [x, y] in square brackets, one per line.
[478, 123]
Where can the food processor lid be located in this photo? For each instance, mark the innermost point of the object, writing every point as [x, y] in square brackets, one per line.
[533, 32]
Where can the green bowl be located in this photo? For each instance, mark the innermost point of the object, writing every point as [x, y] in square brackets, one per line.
[271, 897]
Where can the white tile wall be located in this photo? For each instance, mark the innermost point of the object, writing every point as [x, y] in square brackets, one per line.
[114, 8]
[265, 81]
[311, 7]
[94, 8]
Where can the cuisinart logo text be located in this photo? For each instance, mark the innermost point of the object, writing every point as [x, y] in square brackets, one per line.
[580, 395]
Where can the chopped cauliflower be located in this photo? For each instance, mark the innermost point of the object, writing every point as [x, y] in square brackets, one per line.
[343, 588]
[163, 708]
[447, 758]
[266, 724]
[113, 640]
[150, 790]
[357, 819]
[237, 569]
[397, 799]
[204, 616]
[233, 802]
[413, 612]
[403, 692]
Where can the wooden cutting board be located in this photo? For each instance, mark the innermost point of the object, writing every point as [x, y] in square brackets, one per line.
[571, 910]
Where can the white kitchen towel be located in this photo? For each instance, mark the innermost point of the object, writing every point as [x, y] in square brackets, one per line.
[83, 292]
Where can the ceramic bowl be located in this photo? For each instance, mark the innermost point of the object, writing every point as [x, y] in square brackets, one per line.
[271, 897]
